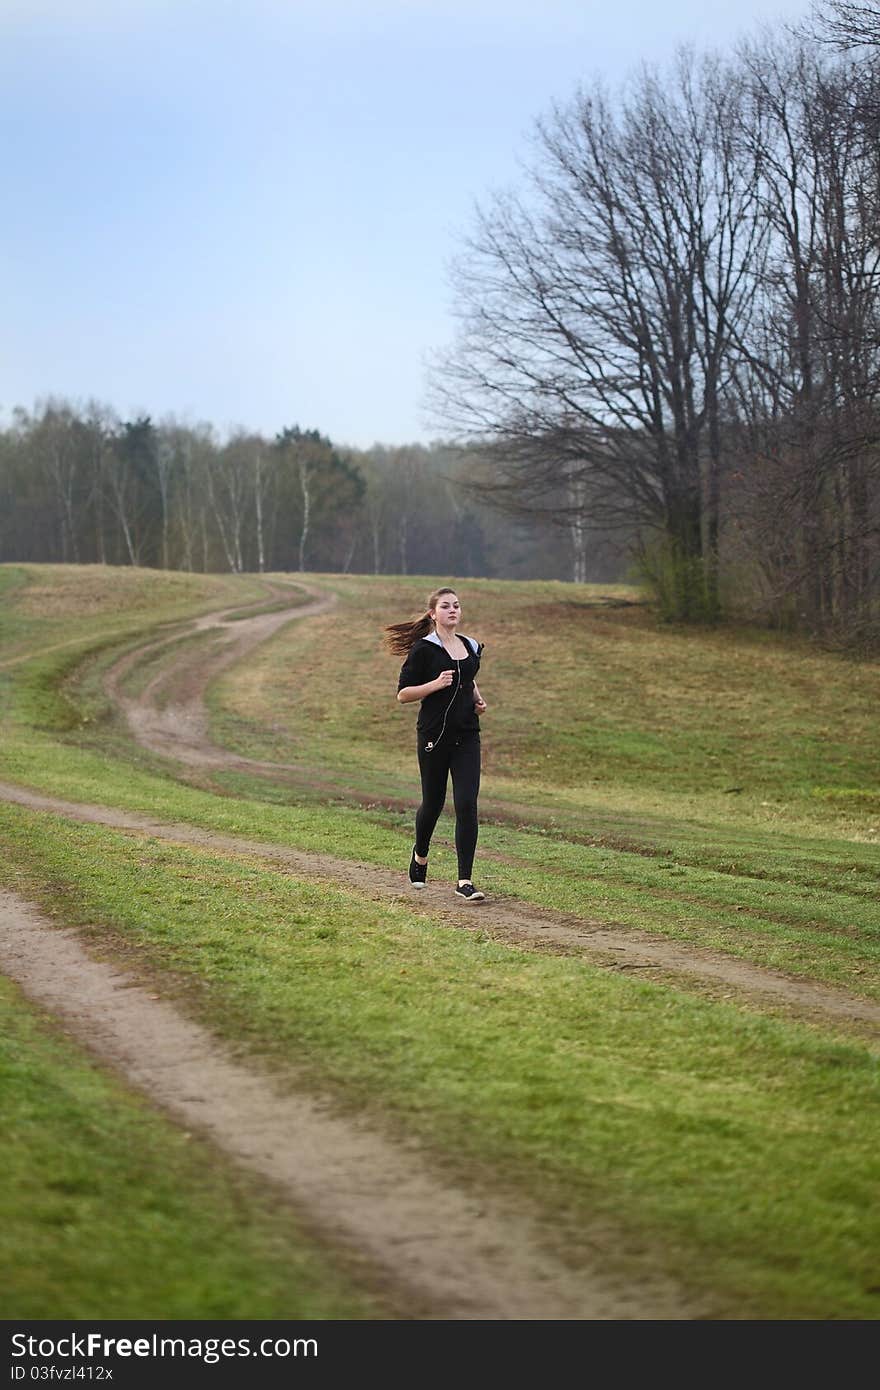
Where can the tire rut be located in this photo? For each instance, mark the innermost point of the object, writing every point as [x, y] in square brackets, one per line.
[447, 1252]
[450, 1252]
[618, 947]
[179, 731]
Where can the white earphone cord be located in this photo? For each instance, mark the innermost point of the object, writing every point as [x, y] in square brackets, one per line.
[429, 747]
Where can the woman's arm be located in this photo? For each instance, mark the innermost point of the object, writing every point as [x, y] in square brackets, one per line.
[479, 702]
[418, 692]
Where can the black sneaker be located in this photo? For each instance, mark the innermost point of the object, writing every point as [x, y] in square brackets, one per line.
[467, 890]
[417, 872]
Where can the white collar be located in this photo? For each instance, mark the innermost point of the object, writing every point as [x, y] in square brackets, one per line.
[432, 637]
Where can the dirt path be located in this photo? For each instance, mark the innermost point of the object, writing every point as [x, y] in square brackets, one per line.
[446, 1251]
[169, 715]
[620, 948]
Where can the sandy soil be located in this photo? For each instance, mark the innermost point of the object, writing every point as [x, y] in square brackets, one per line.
[442, 1250]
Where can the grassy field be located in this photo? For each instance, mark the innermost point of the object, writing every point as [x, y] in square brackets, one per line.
[107, 1209]
[716, 787]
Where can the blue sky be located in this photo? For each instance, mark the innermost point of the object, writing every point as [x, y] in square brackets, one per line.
[245, 212]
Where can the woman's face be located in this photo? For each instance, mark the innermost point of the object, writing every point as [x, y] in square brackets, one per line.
[448, 611]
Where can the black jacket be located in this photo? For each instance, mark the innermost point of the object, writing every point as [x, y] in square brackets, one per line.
[454, 704]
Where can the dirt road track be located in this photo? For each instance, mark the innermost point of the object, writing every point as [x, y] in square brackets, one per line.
[169, 715]
[442, 1251]
[620, 948]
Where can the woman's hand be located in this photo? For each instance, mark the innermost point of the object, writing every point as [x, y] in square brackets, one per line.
[479, 705]
[443, 680]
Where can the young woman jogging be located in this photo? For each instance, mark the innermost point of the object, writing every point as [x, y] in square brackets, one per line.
[439, 672]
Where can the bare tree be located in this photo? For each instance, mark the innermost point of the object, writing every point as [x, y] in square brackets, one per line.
[304, 466]
[165, 459]
[597, 319]
[262, 474]
[100, 426]
[848, 24]
[194, 449]
[811, 386]
[53, 439]
[230, 497]
[378, 506]
[299, 451]
[408, 483]
[130, 465]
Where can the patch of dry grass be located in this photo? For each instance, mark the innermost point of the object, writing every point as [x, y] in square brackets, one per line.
[585, 701]
[81, 591]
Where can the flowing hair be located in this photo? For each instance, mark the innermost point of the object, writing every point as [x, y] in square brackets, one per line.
[399, 637]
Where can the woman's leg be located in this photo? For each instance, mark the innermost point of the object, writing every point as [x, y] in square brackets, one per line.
[434, 767]
[465, 767]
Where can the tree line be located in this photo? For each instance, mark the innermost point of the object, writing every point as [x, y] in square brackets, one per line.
[674, 326]
[79, 484]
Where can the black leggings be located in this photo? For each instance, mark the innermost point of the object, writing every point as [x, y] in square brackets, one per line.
[461, 757]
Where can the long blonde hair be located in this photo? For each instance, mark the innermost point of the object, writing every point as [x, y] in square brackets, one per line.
[399, 637]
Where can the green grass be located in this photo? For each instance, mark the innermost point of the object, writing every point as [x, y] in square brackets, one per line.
[754, 889]
[713, 787]
[825, 929]
[586, 700]
[107, 1210]
[745, 1148]
[802, 904]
